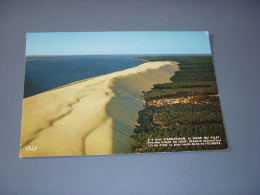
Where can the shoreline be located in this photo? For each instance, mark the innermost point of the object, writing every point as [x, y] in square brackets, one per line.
[72, 119]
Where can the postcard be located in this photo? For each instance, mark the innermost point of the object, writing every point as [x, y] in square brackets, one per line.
[102, 93]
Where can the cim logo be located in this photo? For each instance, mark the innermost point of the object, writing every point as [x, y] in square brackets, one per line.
[31, 148]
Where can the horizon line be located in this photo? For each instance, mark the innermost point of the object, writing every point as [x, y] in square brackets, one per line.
[118, 54]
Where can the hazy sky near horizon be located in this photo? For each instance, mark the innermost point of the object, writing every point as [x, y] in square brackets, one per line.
[118, 42]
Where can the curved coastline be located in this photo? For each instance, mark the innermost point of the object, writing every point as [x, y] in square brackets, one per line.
[74, 119]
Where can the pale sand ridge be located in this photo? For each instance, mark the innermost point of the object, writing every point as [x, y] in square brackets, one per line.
[72, 120]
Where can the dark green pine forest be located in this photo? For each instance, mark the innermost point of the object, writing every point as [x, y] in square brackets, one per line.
[197, 114]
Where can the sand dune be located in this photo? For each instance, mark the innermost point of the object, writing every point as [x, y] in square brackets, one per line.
[72, 120]
[129, 101]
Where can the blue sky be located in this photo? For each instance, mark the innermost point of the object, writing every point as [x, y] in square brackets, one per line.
[121, 42]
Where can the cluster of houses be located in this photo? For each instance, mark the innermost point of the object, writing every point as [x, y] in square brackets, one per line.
[179, 100]
[168, 101]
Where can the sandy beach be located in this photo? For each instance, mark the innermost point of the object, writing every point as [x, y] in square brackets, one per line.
[74, 120]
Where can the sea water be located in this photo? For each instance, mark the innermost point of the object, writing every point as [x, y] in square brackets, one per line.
[44, 73]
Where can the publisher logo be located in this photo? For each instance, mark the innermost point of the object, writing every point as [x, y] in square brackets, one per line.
[31, 148]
